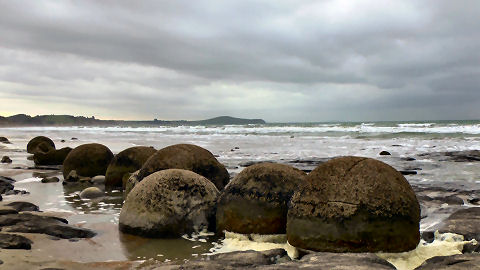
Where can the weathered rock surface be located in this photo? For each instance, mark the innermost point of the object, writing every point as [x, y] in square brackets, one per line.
[91, 193]
[188, 157]
[456, 262]
[127, 161]
[354, 204]
[53, 179]
[130, 183]
[52, 157]
[88, 160]
[6, 184]
[30, 223]
[14, 241]
[34, 145]
[6, 159]
[256, 200]
[169, 203]
[5, 210]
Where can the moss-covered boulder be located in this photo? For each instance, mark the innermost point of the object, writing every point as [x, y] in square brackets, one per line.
[52, 157]
[34, 146]
[354, 204]
[256, 200]
[127, 161]
[88, 160]
[169, 203]
[188, 157]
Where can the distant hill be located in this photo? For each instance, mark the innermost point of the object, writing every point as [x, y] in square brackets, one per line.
[69, 120]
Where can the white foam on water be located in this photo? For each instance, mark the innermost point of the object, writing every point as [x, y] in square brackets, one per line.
[445, 244]
[242, 242]
[30, 180]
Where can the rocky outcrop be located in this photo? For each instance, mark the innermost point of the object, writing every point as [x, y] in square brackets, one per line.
[14, 241]
[187, 157]
[354, 204]
[52, 157]
[88, 160]
[40, 143]
[256, 200]
[169, 203]
[127, 161]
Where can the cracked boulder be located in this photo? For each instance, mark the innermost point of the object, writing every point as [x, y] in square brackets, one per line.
[88, 160]
[40, 144]
[256, 200]
[187, 157]
[169, 203]
[354, 204]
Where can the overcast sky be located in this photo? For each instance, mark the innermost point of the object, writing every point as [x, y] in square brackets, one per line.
[276, 60]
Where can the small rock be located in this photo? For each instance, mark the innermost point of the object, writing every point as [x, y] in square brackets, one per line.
[409, 159]
[72, 176]
[14, 241]
[23, 206]
[91, 193]
[62, 141]
[408, 172]
[98, 180]
[384, 153]
[53, 179]
[6, 159]
[74, 139]
[4, 140]
[6, 184]
[5, 210]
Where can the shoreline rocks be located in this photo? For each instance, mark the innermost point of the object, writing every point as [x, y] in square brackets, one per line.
[169, 203]
[354, 204]
[88, 160]
[52, 157]
[40, 143]
[256, 200]
[127, 161]
[187, 157]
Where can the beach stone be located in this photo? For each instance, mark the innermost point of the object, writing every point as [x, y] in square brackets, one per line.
[256, 200]
[14, 241]
[5, 210]
[385, 153]
[52, 157]
[31, 223]
[6, 159]
[354, 204]
[88, 160]
[454, 262]
[6, 184]
[91, 193]
[53, 179]
[188, 157]
[4, 140]
[23, 206]
[127, 161]
[35, 144]
[98, 180]
[72, 176]
[169, 203]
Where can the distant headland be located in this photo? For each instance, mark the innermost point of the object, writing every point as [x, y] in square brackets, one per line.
[69, 120]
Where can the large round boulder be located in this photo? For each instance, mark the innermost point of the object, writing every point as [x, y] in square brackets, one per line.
[354, 204]
[127, 161]
[40, 143]
[169, 203]
[256, 200]
[188, 157]
[88, 160]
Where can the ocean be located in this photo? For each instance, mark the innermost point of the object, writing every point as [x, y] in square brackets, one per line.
[303, 145]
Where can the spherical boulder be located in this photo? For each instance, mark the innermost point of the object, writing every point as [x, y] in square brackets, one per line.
[127, 161]
[91, 193]
[256, 200]
[130, 182]
[188, 157]
[169, 203]
[88, 160]
[33, 144]
[354, 204]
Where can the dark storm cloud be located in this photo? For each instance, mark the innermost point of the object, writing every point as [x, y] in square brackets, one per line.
[281, 60]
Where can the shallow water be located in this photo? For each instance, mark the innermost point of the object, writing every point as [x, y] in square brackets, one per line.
[273, 142]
